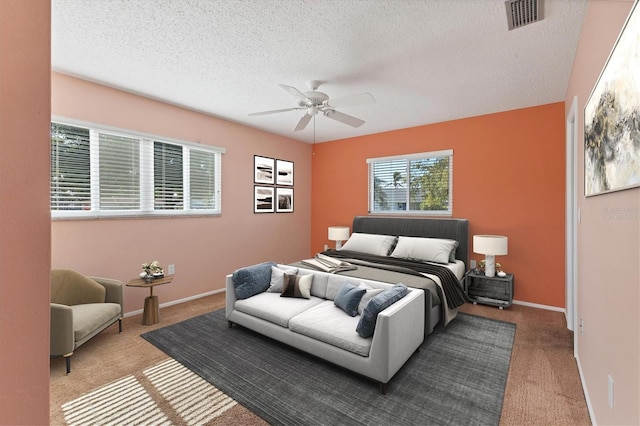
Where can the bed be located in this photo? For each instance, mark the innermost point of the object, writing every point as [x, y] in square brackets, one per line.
[441, 281]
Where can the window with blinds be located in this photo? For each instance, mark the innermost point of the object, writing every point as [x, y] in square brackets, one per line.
[417, 183]
[97, 172]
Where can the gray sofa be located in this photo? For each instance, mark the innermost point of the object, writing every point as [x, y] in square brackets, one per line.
[315, 325]
[81, 307]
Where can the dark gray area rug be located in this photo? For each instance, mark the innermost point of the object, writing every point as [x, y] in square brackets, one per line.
[458, 376]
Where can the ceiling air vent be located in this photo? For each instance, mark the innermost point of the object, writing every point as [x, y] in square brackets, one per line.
[523, 12]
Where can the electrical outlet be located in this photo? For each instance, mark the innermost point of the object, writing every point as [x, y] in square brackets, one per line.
[610, 391]
[581, 326]
[473, 264]
[171, 269]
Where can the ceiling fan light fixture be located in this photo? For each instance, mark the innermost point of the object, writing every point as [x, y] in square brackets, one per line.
[315, 102]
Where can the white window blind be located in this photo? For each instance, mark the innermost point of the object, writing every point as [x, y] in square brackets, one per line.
[416, 183]
[168, 179]
[70, 172]
[99, 172]
[202, 180]
[118, 172]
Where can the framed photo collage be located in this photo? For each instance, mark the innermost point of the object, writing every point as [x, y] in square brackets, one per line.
[273, 185]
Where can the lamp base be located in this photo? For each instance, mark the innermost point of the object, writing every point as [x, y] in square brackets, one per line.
[490, 265]
[338, 245]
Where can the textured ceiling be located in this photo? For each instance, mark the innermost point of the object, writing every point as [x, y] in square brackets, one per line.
[424, 61]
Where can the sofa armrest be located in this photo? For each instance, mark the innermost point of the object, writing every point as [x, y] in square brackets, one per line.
[115, 293]
[230, 297]
[398, 333]
[61, 337]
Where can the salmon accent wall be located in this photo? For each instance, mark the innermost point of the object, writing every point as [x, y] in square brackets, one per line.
[204, 249]
[608, 249]
[25, 256]
[508, 179]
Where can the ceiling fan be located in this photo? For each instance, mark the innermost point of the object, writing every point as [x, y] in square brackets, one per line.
[315, 102]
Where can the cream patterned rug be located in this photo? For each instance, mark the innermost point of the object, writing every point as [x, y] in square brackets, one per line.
[168, 393]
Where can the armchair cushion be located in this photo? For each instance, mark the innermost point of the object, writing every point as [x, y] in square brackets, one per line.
[91, 317]
[72, 288]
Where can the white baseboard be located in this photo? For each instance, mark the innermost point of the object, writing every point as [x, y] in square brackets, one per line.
[586, 393]
[538, 306]
[175, 302]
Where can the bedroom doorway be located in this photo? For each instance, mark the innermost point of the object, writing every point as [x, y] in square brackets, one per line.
[571, 268]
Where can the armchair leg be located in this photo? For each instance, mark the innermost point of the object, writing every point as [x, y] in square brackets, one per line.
[68, 361]
[120, 325]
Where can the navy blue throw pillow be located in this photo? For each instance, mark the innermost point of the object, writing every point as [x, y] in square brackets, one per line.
[348, 298]
[252, 280]
[377, 304]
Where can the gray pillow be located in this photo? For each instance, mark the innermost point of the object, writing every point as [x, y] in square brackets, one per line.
[252, 280]
[377, 304]
[348, 298]
[371, 292]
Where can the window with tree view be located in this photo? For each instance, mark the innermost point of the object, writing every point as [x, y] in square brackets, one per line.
[416, 183]
[99, 172]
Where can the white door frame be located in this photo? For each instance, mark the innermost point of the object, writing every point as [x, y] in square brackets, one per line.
[571, 264]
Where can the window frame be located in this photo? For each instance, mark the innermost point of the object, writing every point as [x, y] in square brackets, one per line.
[409, 158]
[147, 207]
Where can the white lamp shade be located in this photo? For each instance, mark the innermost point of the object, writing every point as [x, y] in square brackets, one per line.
[338, 233]
[490, 244]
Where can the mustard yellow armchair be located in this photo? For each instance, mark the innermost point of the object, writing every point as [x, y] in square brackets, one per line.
[81, 307]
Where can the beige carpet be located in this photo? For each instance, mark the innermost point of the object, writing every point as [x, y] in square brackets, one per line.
[543, 386]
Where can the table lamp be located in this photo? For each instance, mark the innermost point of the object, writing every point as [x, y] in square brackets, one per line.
[338, 234]
[490, 246]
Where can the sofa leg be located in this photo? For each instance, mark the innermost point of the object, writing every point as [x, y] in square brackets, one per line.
[383, 388]
[120, 325]
[68, 361]
[230, 324]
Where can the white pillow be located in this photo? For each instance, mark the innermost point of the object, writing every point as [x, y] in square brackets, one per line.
[277, 277]
[379, 245]
[424, 249]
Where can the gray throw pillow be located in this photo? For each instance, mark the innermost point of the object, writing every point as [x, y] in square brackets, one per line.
[371, 292]
[377, 304]
[348, 298]
[252, 280]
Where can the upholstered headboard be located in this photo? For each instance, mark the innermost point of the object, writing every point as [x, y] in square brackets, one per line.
[454, 229]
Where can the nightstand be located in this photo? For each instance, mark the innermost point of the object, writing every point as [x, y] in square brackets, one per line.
[493, 291]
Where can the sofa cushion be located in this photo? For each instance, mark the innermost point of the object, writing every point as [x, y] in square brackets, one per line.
[335, 283]
[377, 304]
[89, 317]
[277, 277]
[329, 324]
[273, 308]
[297, 286]
[348, 298]
[252, 280]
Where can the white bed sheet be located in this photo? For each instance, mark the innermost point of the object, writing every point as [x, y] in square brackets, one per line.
[458, 268]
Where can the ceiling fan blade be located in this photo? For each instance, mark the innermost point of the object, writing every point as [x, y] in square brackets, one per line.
[302, 123]
[358, 99]
[294, 92]
[344, 118]
[274, 111]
